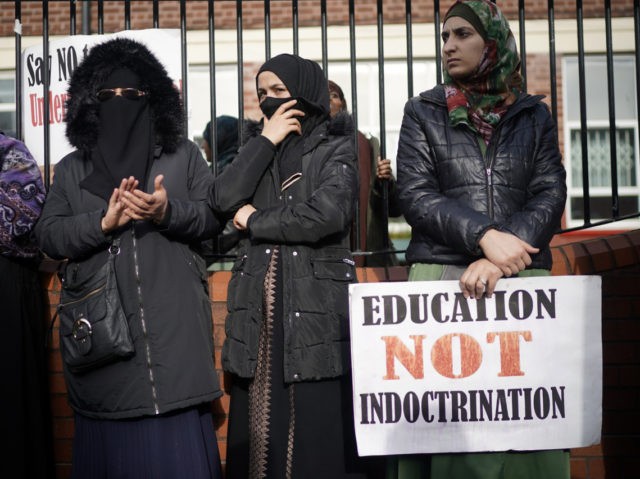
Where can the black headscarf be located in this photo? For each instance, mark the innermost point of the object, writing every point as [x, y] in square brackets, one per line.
[125, 138]
[307, 83]
[226, 139]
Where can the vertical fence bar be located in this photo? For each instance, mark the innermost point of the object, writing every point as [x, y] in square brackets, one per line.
[523, 44]
[17, 30]
[409, 29]
[127, 14]
[323, 32]
[46, 73]
[213, 124]
[72, 17]
[383, 133]
[636, 34]
[212, 91]
[583, 115]
[553, 77]
[613, 137]
[354, 111]
[436, 25]
[296, 38]
[100, 17]
[86, 17]
[267, 29]
[156, 14]
[185, 68]
[240, 71]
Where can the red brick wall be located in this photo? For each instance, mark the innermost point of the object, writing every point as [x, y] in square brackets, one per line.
[281, 13]
[615, 258]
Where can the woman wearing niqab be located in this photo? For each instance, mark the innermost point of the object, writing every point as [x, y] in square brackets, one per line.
[136, 180]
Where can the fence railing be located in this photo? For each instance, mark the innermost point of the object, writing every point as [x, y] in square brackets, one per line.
[385, 14]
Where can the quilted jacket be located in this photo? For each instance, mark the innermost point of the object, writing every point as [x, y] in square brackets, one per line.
[310, 220]
[452, 192]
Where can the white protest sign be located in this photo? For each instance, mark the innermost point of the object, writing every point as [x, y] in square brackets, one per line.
[64, 56]
[435, 372]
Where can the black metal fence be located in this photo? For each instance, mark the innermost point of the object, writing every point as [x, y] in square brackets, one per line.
[90, 8]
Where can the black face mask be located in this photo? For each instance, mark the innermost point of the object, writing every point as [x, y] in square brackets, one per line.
[270, 104]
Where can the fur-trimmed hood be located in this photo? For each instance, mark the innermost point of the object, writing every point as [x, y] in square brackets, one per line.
[83, 105]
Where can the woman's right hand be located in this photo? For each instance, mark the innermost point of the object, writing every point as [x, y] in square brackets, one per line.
[115, 217]
[506, 251]
[282, 122]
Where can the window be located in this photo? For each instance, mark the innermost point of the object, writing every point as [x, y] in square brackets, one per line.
[599, 141]
[395, 78]
[7, 104]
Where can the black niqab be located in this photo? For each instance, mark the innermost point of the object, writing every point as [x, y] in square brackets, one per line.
[306, 83]
[125, 138]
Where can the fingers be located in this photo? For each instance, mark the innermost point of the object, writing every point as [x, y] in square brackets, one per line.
[285, 106]
[282, 123]
[237, 225]
[480, 286]
[480, 279]
[113, 200]
[138, 201]
[490, 287]
[383, 169]
[157, 183]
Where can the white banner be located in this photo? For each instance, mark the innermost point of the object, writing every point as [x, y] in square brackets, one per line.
[435, 372]
[64, 56]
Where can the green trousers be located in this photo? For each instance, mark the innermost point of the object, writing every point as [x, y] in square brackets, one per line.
[552, 464]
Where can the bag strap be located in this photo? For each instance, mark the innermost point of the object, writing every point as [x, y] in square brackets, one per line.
[113, 250]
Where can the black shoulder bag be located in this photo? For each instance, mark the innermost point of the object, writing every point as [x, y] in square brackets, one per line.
[93, 327]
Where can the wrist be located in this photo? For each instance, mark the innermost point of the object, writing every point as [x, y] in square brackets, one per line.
[103, 225]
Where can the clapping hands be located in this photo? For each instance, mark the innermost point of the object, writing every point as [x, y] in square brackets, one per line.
[128, 203]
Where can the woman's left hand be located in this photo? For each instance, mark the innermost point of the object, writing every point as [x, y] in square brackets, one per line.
[241, 217]
[480, 278]
[144, 206]
[383, 169]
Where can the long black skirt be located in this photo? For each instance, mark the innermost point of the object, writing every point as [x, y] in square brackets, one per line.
[24, 407]
[177, 445]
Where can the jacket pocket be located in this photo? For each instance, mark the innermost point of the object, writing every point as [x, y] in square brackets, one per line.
[338, 269]
[239, 287]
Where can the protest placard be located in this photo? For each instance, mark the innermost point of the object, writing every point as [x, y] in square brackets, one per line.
[435, 372]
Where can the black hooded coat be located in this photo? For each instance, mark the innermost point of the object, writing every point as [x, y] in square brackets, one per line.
[162, 281]
[310, 220]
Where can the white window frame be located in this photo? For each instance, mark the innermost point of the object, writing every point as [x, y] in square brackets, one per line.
[577, 191]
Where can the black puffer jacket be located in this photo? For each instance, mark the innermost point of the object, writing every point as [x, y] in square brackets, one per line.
[161, 279]
[451, 193]
[310, 220]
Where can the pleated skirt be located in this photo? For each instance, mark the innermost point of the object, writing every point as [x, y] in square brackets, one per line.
[177, 445]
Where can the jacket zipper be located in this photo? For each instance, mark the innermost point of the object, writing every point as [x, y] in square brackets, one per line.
[88, 295]
[489, 160]
[136, 268]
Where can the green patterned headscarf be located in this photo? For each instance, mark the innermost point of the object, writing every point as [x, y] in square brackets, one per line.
[480, 101]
